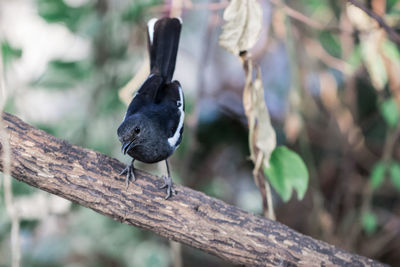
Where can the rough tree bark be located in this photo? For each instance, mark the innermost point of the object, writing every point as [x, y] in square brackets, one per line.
[190, 217]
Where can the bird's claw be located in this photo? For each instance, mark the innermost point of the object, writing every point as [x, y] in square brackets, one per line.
[124, 171]
[168, 184]
[130, 175]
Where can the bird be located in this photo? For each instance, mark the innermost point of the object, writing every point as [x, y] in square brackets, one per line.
[152, 127]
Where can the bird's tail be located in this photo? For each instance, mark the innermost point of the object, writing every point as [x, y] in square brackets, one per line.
[163, 36]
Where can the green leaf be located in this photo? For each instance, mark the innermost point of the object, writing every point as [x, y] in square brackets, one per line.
[395, 174]
[390, 112]
[377, 174]
[391, 51]
[9, 53]
[313, 5]
[64, 74]
[391, 4]
[58, 11]
[287, 172]
[331, 43]
[355, 58]
[369, 222]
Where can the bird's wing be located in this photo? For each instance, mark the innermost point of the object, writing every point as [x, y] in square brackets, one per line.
[146, 94]
[171, 100]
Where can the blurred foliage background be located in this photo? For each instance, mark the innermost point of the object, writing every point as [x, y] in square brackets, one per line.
[332, 86]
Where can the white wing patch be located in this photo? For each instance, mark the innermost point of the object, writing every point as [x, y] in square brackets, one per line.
[150, 28]
[174, 139]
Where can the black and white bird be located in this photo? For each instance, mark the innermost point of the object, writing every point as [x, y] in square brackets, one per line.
[152, 127]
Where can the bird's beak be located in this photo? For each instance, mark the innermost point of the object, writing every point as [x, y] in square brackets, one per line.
[126, 146]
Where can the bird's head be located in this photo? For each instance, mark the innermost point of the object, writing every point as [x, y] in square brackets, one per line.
[135, 130]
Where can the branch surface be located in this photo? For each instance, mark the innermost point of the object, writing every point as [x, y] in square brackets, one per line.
[92, 180]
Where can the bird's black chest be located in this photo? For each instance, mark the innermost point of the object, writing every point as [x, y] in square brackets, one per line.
[151, 152]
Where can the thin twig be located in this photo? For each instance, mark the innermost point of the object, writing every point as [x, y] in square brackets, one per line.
[392, 34]
[261, 184]
[391, 138]
[176, 253]
[6, 158]
[271, 212]
[294, 14]
[298, 16]
[316, 49]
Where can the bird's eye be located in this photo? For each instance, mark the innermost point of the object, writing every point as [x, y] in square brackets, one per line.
[137, 130]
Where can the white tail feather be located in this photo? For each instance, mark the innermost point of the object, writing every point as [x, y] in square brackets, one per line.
[150, 28]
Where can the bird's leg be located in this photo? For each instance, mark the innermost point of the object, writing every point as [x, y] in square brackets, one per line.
[129, 171]
[168, 183]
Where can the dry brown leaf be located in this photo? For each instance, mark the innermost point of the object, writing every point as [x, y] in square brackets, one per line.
[247, 99]
[249, 107]
[261, 133]
[243, 25]
[265, 137]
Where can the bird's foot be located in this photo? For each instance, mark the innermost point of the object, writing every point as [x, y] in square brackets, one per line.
[130, 175]
[168, 184]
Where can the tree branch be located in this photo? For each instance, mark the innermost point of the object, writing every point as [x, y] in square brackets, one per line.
[193, 218]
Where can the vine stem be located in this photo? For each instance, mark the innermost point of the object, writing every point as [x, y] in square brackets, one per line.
[271, 212]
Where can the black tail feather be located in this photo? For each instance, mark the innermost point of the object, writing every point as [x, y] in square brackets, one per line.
[163, 45]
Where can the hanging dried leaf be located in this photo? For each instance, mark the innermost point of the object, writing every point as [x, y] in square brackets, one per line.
[261, 134]
[249, 107]
[243, 25]
[265, 137]
[247, 99]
